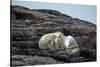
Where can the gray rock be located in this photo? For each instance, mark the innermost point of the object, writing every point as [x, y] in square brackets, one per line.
[18, 63]
[35, 60]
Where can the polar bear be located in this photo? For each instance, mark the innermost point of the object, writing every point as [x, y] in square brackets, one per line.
[71, 45]
[57, 40]
[52, 41]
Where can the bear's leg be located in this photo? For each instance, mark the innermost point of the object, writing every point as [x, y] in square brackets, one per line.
[51, 45]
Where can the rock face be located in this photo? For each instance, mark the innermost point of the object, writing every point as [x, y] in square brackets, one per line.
[28, 25]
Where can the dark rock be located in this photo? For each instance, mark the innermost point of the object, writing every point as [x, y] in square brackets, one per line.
[88, 53]
[23, 34]
[77, 59]
[34, 60]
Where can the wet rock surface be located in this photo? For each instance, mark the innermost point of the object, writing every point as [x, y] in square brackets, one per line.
[28, 25]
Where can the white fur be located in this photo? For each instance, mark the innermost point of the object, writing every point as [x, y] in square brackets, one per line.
[46, 41]
[59, 40]
[71, 43]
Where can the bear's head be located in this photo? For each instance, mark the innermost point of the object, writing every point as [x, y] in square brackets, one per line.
[58, 35]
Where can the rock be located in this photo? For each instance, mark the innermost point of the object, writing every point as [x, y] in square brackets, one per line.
[34, 60]
[17, 63]
[23, 34]
[77, 59]
[18, 57]
[88, 53]
[17, 60]
[25, 44]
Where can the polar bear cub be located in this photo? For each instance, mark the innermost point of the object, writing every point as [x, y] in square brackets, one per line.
[71, 45]
[70, 42]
